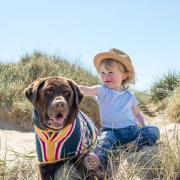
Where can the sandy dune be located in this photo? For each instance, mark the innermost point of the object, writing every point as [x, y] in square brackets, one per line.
[14, 140]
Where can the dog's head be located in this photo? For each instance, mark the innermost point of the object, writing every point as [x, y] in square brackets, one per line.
[55, 99]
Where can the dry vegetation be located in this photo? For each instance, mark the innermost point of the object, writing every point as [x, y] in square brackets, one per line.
[159, 162]
[173, 108]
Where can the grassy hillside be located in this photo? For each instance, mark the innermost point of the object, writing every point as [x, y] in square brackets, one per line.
[165, 95]
[15, 77]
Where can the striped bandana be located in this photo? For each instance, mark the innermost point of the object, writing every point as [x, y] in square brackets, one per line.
[73, 140]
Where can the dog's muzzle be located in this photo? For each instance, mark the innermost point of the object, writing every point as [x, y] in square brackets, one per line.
[57, 113]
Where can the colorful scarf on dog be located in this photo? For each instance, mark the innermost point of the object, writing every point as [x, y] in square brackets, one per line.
[73, 140]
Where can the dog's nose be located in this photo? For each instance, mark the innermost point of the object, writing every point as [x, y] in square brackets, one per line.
[59, 104]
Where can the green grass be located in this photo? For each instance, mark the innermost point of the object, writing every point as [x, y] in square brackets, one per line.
[164, 86]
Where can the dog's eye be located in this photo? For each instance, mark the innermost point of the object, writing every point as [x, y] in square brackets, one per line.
[67, 94]
[49, 93]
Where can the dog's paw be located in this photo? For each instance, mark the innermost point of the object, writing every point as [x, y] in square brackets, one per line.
[94, 167]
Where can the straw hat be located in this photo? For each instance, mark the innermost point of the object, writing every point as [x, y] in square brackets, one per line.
[117, 55]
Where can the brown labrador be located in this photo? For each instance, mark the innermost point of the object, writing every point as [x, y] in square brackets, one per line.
[63, 133]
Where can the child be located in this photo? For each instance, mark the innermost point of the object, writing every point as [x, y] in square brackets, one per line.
[118, 108]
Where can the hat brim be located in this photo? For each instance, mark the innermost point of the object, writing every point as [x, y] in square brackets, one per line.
[123, 59]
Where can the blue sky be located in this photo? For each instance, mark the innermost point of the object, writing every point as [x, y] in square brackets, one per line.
[148, 31]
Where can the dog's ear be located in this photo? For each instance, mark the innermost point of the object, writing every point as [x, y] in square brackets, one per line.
[32, 89]
[77, 92]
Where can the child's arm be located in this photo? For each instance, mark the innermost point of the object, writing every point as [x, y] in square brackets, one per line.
[88, 91]
[139, 116]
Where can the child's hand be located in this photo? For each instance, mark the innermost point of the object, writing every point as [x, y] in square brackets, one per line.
[139, 117]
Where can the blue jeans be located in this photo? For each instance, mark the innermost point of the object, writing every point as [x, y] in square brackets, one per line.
[112, 138]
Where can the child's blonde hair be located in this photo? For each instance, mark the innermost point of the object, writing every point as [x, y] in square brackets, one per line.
[109, 63]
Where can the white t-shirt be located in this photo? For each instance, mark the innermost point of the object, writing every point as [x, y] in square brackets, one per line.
[116, 107]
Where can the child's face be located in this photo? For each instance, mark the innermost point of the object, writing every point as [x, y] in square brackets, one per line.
[112, 77]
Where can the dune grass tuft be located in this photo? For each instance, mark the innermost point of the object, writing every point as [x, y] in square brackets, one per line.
[164, 86]
[173, 107]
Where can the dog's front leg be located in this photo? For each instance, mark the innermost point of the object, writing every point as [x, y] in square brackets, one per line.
[47, 171]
